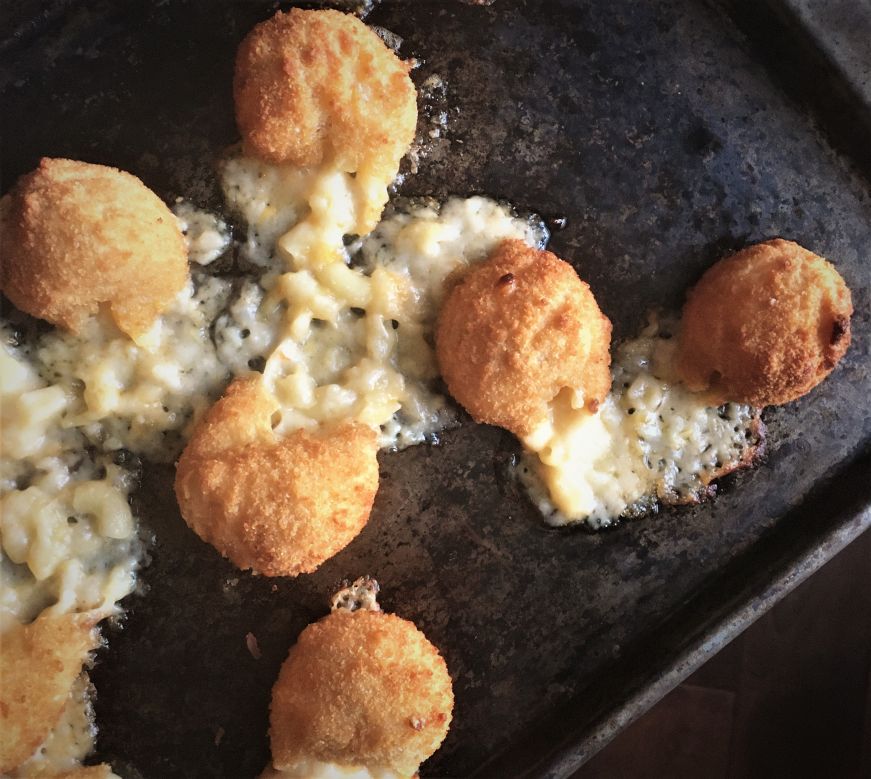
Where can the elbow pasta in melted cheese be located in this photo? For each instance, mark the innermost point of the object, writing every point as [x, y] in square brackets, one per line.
[69, 539]
[354, 340]
[339, 332]
[342, 329]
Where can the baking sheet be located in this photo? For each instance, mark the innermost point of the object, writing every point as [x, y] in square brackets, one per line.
[654, 130]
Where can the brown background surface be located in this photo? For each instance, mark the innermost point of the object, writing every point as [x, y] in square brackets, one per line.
[789, 697]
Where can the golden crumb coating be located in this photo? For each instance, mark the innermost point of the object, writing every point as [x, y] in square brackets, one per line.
[38, 664]
[101, 771]
[517, 329]
[361, 688]
[764, 326]
[78, 236]
[315, 87]
[280, 506]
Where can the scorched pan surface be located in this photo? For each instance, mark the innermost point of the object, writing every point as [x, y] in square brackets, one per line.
[653, 131]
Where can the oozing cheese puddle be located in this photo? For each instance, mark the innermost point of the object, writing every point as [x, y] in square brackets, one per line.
[355, 339]
[336, 341]
[68, 537]
[652, 439]
[339, 331]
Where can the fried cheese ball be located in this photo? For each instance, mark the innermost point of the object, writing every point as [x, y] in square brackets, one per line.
[517, 329]
[280, 506]
[39, 663]
[364, 689]
[78, 236]
[764, 326]
[320, 87]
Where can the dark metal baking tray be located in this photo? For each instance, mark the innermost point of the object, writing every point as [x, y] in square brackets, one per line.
[656, 130]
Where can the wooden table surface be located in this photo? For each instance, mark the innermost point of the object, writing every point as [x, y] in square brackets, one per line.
[790, 697]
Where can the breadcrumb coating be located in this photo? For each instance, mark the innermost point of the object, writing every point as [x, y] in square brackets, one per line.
[315, 87]
[764, 326]
[280, 506]
[517, 329]
[39, 663]
[77, 237]
[361, 688]
[101, 771]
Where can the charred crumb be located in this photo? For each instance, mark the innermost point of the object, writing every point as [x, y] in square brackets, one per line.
[362, 594]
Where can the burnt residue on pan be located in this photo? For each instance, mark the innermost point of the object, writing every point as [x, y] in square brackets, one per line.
[655, 134]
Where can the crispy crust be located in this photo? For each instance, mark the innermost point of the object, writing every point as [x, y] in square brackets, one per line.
[280, 506]
[101, 771]
[517, 329]
[319, 86]
[39, 664]
[77, 236]
[764, 326]
[361, 688]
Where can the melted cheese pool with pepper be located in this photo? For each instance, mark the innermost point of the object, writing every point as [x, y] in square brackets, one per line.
[650, 440]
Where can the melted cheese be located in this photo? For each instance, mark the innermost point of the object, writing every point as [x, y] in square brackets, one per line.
[316, 769]
[652, 439]
[355, 337]
[361, 594]
[341, 328]
[67, 535]
[71, 740]
[206, 235]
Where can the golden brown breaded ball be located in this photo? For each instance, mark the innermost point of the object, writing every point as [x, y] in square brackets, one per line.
[314, 87]
[361, 688]
[764, 326]
[78, 236]
[38, 664]
[514, 331]
[280, 506]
